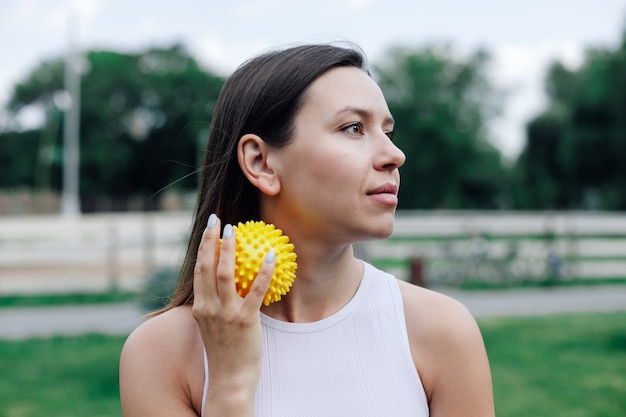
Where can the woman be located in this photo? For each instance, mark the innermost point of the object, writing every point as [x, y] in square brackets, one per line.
[302, 138]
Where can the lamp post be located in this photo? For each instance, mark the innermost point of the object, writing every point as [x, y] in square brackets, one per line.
[70, 201]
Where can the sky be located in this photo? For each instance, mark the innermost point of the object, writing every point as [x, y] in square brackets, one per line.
[522, 37]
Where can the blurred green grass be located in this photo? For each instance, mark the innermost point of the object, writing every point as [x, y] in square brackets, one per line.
[60, 376]
[40, 300]
[563, 365]
[557, 366]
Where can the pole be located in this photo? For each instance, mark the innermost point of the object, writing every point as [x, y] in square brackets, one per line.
[70, 202]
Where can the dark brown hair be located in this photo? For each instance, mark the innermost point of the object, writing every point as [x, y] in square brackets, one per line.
[261, 97]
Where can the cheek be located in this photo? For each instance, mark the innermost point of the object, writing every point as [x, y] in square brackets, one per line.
[330, 171]
[321, 167]
[313, 184]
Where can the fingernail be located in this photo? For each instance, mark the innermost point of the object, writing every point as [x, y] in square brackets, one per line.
[212, 221]
[270, 256]
[228, 231]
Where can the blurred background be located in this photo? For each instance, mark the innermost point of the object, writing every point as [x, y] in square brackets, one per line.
[512, 117]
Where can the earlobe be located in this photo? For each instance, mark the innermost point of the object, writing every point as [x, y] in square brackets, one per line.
[253, 155]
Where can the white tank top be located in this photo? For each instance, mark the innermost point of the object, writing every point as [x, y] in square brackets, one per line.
[355, 363]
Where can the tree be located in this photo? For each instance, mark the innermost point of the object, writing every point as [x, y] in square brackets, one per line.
[18, 159]
[143, 117]
[538, 173]
[577, 147]
[442, 105]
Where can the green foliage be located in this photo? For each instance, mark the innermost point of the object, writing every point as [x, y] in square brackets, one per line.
[19, 159]
[538, 170]
[575, 156]
[442, 105]
[39, 86]
[143, 118]
[160, 286]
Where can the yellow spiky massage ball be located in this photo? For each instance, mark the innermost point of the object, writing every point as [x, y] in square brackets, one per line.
[254, 239]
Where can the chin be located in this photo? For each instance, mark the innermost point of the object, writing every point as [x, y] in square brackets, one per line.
[373, 227]
[383, 231]
[386, 226]
[385, 234]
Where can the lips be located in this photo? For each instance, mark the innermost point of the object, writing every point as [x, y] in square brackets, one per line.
[385, 189]
[385, 194]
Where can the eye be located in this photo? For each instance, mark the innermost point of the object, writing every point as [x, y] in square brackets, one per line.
[390, 134]
[355, 129]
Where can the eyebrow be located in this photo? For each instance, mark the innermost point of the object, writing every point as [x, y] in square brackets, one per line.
[365, 114]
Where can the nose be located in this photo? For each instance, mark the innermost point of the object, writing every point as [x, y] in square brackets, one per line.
[389, 156]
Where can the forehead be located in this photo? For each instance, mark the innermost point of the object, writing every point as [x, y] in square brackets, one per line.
[343, 87]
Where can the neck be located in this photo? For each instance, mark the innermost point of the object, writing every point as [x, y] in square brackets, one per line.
[324, 283]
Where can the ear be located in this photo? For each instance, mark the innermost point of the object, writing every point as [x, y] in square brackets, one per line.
[253, 155]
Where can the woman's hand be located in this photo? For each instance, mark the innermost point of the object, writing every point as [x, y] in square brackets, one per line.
[230, 325]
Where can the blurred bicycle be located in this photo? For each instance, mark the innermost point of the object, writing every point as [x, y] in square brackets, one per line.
[474, 261]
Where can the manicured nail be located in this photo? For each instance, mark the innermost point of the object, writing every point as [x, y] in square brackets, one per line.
[228, 231]
[212, 221]
[270, 256]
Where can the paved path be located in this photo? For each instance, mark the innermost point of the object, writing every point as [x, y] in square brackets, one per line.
[121, 319]
[543, 301]
[114, 319]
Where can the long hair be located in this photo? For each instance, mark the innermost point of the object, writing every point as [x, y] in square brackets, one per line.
[261, 97]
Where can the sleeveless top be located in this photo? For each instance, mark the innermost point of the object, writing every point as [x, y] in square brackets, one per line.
[355, 363]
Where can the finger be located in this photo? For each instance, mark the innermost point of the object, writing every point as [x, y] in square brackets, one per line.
[261, 283]
[204, 281]
[226, 266]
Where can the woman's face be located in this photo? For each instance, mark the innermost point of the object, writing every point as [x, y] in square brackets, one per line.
[339, 175]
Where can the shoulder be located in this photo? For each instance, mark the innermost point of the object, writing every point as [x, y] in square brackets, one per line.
[161, 363]
[435, 314]
[437, 323]
[431, 313]
[448, 351]
[171, 332]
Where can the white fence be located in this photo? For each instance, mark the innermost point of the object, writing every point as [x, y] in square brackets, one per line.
[41, 254]
[98, 252]
[589, 245]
